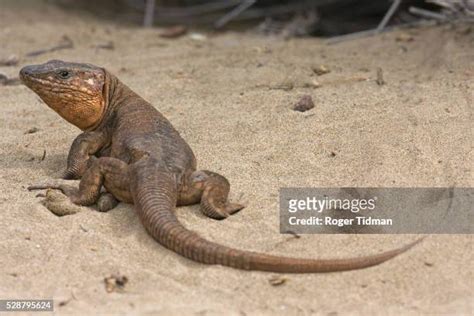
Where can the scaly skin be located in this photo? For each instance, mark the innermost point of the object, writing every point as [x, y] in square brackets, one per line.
[132, 150]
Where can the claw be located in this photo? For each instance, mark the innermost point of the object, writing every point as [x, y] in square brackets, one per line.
[233, 208]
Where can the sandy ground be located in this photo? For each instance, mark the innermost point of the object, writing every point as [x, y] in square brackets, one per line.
[223, 95]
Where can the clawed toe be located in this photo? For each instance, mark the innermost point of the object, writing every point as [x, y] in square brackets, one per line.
[233, 208]
[213, 212]
[56, 184]
[58, 203]
[220, 213]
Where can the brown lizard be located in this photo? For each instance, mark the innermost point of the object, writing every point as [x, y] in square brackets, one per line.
[132, 150]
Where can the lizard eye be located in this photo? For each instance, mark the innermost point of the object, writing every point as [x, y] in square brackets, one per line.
[64, 74]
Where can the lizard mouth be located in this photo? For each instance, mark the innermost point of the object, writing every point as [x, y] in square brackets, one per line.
[29, 74]
[28, 78]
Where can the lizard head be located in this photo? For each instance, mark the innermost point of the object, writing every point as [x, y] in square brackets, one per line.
[75, 91]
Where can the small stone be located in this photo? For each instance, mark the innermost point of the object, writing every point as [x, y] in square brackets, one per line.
[63, 303]
[277, 280]
[304, 104]
[174, 31]
[197, 37]
[404, 37]
[320, 70]
[32, 130]
[313, 84]
[3, 79]
[115, 283]
[380, 81]
[11, 60]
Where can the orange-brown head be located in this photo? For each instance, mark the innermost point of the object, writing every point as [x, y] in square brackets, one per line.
[75, 91]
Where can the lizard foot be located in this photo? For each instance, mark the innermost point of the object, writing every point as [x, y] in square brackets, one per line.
[70, 191]
[57, 184]
[218, 210]
[59, 204]
[69, 201]
[215, 190]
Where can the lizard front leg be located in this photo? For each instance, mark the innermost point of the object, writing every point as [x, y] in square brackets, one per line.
[83, 147]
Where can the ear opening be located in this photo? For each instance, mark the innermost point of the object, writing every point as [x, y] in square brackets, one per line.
[106, 95]
[106, 87]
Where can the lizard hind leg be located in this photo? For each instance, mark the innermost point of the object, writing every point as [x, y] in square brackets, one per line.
[215, 191]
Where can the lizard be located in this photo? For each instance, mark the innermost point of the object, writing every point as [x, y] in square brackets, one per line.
[129, 148]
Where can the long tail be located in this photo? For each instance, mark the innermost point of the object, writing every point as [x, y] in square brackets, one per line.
[155, 195]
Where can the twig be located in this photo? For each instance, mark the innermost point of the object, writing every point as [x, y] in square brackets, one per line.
[5, 81]
[287, 86]
[380, 28]
[371, 32]
[351, 36]
[65, 44]
[427, 14]
[44, 155]
[293, 233]
[391, 11]
[234, 13]
[107, 45]
[444, 4]
[192, 10]
[455, 6]
[149, 13]
[281, 9]
[380, 81]
[208, 13]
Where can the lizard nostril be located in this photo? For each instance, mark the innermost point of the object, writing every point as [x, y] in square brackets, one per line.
[25, 71]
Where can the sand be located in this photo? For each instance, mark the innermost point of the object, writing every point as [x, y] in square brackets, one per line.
[224, 94]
